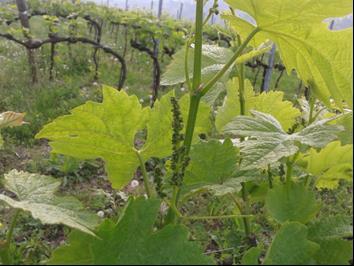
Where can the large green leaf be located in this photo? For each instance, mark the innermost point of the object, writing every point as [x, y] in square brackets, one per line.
[233, 184]
[319, 134]
[133, 241]
[267, 102]
[269, 142]
[331, 164]
[331, 227]
[214, 59]
[36, 194]
[334, 252]
[329, 233]
[291, 202]
[291, 246]
[203, 123]
[101, 130]
[159, 125]
[346, 136]
[231, 106]
[322, 58]
[251, 256]
[107, 130]
[211, 163]
[158, 142]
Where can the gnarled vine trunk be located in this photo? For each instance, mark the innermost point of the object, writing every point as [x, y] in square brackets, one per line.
[24, 19]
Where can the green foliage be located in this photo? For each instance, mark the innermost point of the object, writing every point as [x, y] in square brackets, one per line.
[334, 252]
[291, 203]
[36, 194]
[321, 57]
[214, 59]
[346, 136]
[251, 256]
[203, 123]
[291, 246]
[330, 165]
[223, 166]
[331, 227]
[133, 241]
[101, 131]
[104, 131]
[211, 163]
[329, 233]
[270, 103]
[270, 143]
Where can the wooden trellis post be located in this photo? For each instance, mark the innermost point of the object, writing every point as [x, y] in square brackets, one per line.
[269, 70]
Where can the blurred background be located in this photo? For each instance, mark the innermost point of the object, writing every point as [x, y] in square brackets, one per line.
[184, 9]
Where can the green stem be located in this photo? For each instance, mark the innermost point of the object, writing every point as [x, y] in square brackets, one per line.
[246, 211]
[194, 98]
[197, 71]
[307, 181]
[211, 12]
[12, 227]
[186, 66]
[192, 118]
[188, 43]
[270, 177]
[289, 168]
[145, 175]
[197, 77]
[238, 52]
[289, 172]
[174, 205]
[241, 81]
[312, 109]
[244, 193]
[5, 254]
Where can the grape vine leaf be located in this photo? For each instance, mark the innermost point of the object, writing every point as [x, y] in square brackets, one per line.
[203, 123]
[253, 53]
[211, 162]
[346, 136]
[269, 143]
[267, 102]
[291, 203]
[214, 59]
[10, 119]
[329, 233]
[159, 125]
[322, 58]
[330, 165]
[133, 241]
[107, 130]
[291, 246]
[158, 141]
[251, 256]
[331, 227]
[334, 252]
[101, 130]
[36, 194]
[214, 94]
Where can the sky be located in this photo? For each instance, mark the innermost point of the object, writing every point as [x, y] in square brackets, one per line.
[173, 6]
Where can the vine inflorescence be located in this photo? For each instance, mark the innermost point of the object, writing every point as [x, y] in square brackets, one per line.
[180, 160]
